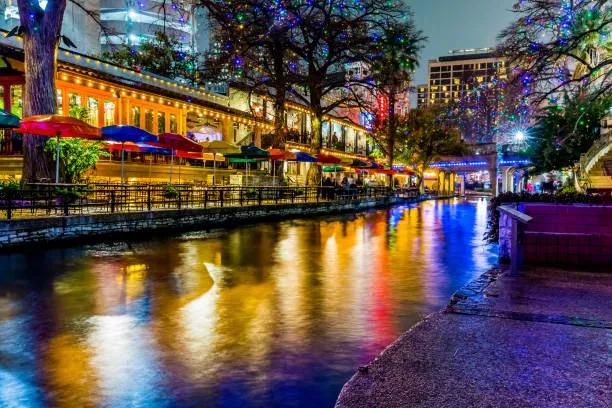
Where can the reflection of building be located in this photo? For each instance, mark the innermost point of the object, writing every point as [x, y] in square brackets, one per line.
[452, 76]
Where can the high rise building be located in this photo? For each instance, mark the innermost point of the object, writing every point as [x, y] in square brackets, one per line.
[422, 95]
[451, 76]
[77, 24]
[134, 21]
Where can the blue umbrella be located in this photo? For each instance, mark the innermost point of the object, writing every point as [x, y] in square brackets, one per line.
[127, 133]
[304, 157]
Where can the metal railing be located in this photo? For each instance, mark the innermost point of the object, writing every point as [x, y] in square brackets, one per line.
[43, 200]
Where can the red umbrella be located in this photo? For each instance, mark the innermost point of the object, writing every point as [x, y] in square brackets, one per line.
[328, 159]
[189, 155]
[57, 126]
[280, 154]
[175, 143]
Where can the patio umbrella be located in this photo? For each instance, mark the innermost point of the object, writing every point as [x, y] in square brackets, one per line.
[176, 142]
[57, 126]
[304, 157]
[127, 133]
[278, 154]
[218, 147]
[328, 159]
[359, 163]
[332, 169]
[8, 120]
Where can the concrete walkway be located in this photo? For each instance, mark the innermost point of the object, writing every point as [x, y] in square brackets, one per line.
[543, 339]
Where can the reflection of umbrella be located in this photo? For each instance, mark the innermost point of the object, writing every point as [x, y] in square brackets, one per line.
[126, 133]
[8, 120]
[58, 126]
[219, 147]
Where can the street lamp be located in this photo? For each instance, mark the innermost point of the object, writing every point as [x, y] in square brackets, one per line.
[519, 136]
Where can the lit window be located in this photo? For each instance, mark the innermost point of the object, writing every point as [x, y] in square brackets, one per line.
[161, 122]
[148, 117]
[75, 109]
[60, 102]
[17, 100]
[136, 116]
[173, 124]
[109, 113]
[92, 106]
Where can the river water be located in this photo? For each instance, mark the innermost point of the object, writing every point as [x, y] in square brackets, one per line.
[266, 315]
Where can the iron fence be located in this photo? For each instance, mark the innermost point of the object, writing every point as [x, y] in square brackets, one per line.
[60, 200]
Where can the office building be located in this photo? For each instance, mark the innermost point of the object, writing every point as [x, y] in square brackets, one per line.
[451, 76]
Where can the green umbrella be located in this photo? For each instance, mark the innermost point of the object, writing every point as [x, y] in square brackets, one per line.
[8, 120]
[241, 160]
[332, 169]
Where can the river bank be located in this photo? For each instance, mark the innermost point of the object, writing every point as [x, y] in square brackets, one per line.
[538, 339]
[29, 232]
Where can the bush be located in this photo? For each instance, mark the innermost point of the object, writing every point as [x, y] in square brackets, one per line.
[562, 197]
[170, 192]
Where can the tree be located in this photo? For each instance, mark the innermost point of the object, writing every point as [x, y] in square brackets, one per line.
[425, 135]
[563, 132]
[77, 156]
[561, 46]
[253, 38]
[491, 111]
[330, 36]
[162, 55]
[40, 30]
[393, 58]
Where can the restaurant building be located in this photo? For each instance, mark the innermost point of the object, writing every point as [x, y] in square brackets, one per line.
[104, 94]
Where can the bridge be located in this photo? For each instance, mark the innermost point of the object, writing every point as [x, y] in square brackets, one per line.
[507, 166]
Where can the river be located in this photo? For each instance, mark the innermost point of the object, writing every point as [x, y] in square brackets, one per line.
[265, 315]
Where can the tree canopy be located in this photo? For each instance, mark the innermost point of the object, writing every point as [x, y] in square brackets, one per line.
[563, 132]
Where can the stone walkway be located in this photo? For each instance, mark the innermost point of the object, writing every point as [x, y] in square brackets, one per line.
[543, 339]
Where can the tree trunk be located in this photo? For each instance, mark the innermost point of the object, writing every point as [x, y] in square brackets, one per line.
[40, 44]
[313, 177]
[392, 132]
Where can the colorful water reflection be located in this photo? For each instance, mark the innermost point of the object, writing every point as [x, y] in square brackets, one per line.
[275, 314]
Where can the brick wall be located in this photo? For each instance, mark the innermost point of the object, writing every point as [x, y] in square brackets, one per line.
[577, 235]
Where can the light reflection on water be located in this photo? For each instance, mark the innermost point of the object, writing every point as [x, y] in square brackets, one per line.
[275, 314]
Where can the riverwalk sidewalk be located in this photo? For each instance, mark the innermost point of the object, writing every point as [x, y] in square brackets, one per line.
[542, 339]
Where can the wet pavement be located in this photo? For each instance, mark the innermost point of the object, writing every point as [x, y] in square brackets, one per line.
[541, 339]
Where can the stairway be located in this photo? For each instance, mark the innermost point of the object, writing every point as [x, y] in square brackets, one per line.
[600, 175]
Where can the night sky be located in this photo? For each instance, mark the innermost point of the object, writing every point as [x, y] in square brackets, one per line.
[453, 24]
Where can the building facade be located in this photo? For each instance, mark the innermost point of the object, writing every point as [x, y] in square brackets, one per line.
[452, 76]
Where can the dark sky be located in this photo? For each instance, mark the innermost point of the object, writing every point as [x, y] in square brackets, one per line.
[453, 24]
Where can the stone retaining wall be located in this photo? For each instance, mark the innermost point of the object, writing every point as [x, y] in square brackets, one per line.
[29, 232]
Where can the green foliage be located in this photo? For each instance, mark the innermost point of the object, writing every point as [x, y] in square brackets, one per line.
[69, 195]
[562, 197]
[424, 136]
[79, 112]
[170, 192]
[9, 187]
[565, 132]
[76, 156]
[163, 55]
